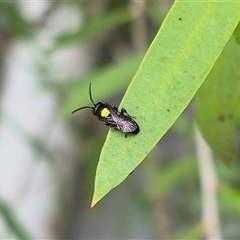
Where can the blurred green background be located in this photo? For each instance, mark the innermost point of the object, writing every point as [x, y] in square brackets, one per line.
[49, 53]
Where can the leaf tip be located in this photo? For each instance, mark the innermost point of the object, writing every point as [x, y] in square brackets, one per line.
[95, 200]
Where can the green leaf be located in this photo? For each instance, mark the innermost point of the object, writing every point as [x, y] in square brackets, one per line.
[217, 103]
[174, 67]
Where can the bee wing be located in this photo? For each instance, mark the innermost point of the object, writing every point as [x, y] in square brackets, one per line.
[126, 124]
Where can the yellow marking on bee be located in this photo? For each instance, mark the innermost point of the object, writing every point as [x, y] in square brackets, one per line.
[105, 112]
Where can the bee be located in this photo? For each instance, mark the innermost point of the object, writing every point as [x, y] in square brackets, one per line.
[112, 118]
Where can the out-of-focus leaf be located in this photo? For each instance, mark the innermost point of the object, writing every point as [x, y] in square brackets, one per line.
[16, 23]
[193, 232]
[179, 59]
[162, 181]
[217, 103]
[10, 220]
[94, 27]
[155, 13]
[231, 196]
[237, 33]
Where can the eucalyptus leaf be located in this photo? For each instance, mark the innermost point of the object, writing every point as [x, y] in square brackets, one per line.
[174, 67]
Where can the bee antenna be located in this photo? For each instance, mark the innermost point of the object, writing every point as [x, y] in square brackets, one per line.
[90, 94]
[80, 109]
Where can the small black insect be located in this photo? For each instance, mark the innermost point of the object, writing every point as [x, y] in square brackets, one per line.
[112, 118]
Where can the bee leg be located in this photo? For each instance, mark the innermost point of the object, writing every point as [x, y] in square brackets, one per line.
[124, 112]
[112, 125]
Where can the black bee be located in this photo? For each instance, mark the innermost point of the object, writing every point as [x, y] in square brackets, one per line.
[112, 118]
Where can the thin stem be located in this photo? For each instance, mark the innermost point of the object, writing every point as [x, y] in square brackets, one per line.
[211, 222]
